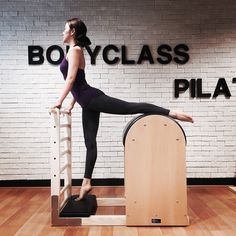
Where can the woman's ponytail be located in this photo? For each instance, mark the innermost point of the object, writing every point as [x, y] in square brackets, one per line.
[80, 32]
[83, 41]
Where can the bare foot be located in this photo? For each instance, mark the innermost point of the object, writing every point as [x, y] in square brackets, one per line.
[181, 116]
[84, 190]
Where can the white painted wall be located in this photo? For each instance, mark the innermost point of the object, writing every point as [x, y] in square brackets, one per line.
[27, 91]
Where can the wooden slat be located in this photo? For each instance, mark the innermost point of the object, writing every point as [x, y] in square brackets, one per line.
[64, 167]
[56, 110]
[63, 203]
[67, 158]
[65, 126]
[65, 152]
[65, 139]
[64, 189]
[104, 220]
[111, 201]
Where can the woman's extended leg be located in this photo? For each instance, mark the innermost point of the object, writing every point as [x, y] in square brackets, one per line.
[112, 105]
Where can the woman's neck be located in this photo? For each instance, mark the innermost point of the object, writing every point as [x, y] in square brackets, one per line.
[72, 43]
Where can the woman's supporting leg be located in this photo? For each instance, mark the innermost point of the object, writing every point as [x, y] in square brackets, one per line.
[90, 121]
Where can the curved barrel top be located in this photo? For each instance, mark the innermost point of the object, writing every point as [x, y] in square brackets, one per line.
[135, 119]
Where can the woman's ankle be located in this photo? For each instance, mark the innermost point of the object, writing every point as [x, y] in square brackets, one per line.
[173, 114]
[86, 182]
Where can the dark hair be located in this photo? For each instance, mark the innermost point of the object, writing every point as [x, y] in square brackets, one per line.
[80, 32]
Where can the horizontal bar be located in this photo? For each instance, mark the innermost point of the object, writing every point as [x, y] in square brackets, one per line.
[111, 201]
[64, 189]
[65, 126]
[104, 220]
[65, 139]
[63, 203]
[67, 165]
[56, 110]
[65, 152]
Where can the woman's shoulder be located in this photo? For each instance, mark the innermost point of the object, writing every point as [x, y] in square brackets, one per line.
[75, 51]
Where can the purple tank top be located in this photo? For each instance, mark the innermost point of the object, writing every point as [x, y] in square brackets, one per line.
[81, 90]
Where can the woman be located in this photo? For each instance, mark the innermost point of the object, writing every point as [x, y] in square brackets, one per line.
[92, 100]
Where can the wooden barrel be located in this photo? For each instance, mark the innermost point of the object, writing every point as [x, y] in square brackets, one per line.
[155, 172]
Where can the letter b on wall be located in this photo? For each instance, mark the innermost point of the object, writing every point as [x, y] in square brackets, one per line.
[35, 55]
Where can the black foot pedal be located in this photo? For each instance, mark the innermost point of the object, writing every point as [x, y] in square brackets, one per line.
[82, 208]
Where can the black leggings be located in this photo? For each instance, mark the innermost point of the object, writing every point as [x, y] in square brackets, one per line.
[106, 104]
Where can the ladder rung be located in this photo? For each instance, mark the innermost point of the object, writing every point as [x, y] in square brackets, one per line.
[57, 111]
[64, 189]
[65, 152]
[65, 139]
[111, 201]
[63, 202]
[64, 167]
[65, 126]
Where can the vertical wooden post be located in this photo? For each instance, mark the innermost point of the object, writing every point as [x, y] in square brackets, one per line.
[55, 153]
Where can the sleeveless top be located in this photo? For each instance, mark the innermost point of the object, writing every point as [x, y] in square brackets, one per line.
[82, 92]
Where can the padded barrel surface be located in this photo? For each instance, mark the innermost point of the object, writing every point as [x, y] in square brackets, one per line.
[135, 119]
[82, 208]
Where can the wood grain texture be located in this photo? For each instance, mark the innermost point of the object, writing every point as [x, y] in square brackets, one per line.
[26, 212]
[155, 173]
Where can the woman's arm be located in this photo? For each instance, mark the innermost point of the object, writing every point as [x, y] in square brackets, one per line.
[71, 105]
[72, 102]
[74, 56]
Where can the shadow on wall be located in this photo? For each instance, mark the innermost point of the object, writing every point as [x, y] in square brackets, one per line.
[202, 19]
[198, 18]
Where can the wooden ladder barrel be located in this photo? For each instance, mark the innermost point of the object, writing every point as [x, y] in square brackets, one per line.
[155, 172]
[155, 178]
